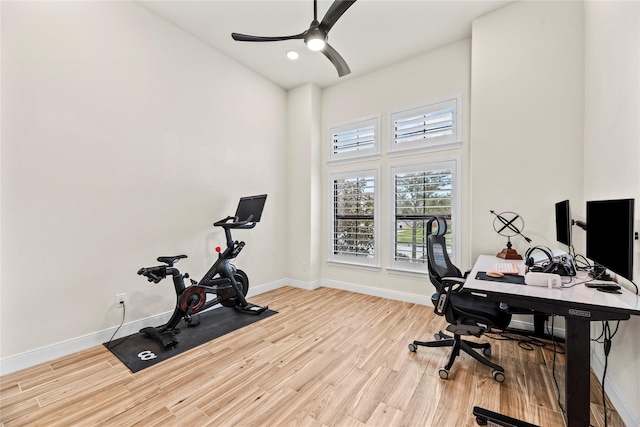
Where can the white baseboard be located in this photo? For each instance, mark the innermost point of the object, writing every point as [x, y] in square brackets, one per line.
[626, 411]
[301, 284]
[47, 353]
[528, 326]
[378, 292]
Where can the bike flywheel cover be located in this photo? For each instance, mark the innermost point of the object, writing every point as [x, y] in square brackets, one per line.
[189, 295]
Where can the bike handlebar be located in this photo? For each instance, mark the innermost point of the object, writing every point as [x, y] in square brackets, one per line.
[156, 274]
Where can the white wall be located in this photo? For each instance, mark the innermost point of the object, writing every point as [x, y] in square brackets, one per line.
[612, 157]
[124, 139]
[423, 79]
[305, 172]
[526, 119]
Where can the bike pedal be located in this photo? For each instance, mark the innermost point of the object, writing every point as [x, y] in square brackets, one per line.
[169, 341]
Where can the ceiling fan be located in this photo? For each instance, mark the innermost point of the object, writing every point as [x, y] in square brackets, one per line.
[315, 37]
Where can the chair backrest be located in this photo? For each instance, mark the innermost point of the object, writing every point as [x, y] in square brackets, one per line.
[456, 307]
[438, 261]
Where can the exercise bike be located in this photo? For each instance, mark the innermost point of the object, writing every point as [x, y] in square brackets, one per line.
[226, 284]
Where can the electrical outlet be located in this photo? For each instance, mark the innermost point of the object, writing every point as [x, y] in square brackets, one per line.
[304, 266]
[120, 299]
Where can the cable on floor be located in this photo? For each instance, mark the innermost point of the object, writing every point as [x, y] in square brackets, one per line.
[124, 311]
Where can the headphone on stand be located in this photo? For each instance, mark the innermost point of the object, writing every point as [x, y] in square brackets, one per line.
[546, 266]
[563, 266]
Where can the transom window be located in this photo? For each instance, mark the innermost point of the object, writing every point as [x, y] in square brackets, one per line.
[428, 127]
[355, 140]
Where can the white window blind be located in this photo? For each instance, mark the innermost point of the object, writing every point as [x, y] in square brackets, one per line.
[419, 193]
[355, 139]
[428, 127]
[353, 217]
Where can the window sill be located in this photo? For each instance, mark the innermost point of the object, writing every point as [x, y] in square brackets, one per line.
[430, 149]
[411, 273]
[368, 267]
[354, 159]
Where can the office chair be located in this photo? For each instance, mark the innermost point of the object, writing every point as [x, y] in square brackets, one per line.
[466, 314]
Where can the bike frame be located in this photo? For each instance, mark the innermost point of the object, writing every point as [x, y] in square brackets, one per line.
[222, 267]
[228, 284]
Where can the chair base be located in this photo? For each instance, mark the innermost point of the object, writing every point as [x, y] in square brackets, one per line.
[484, 417]
[458, 344]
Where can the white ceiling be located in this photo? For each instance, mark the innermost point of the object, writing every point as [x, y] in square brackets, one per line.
[370, 35]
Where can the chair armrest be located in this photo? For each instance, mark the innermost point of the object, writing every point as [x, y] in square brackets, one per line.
[453, 283]
[449, 285]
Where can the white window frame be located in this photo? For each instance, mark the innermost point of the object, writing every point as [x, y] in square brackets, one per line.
[355, 260]
[452, 163]
[358, 153]
[427, 143]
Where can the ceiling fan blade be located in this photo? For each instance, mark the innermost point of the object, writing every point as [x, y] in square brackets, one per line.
[336, 60]
[248, 38]
[337, 9]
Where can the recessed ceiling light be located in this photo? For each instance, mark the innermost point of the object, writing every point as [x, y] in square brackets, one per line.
[293, 55]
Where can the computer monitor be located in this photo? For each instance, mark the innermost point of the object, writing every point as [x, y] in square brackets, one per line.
[563, 222]
[610, 235]
[251, 205]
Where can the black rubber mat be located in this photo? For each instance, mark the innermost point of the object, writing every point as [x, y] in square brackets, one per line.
[138, 351]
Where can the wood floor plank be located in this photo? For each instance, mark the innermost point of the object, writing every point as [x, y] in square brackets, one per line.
[303, 407]
[384, 415]
[423, 403]
[328, 358]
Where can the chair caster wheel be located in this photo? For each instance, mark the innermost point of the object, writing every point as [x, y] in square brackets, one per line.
[481, 421]
[498, 376]
[486, 351]
[444, 374]
[437, 337]
[413, 347]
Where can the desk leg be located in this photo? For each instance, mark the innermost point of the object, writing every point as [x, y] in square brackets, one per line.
[578, 372]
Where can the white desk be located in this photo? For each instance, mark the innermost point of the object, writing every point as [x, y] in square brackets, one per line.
[579, 306]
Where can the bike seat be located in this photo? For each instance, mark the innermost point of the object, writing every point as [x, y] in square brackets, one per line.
[170, 260]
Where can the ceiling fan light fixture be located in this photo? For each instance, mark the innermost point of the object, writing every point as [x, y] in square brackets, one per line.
[315, 44]
[315, 39]
[316, 36]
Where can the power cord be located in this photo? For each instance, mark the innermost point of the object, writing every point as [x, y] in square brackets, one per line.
[556, 345]
[124, 312]
[605, 338]
[525, 342]
[634, 284]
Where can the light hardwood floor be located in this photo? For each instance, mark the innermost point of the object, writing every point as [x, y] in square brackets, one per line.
[328, 358]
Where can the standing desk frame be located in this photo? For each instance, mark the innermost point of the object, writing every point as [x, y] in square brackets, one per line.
[579, 306]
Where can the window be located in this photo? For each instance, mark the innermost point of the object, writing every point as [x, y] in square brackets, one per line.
[355, 140]
[420, 192]
[425, 128]
[353, 217]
